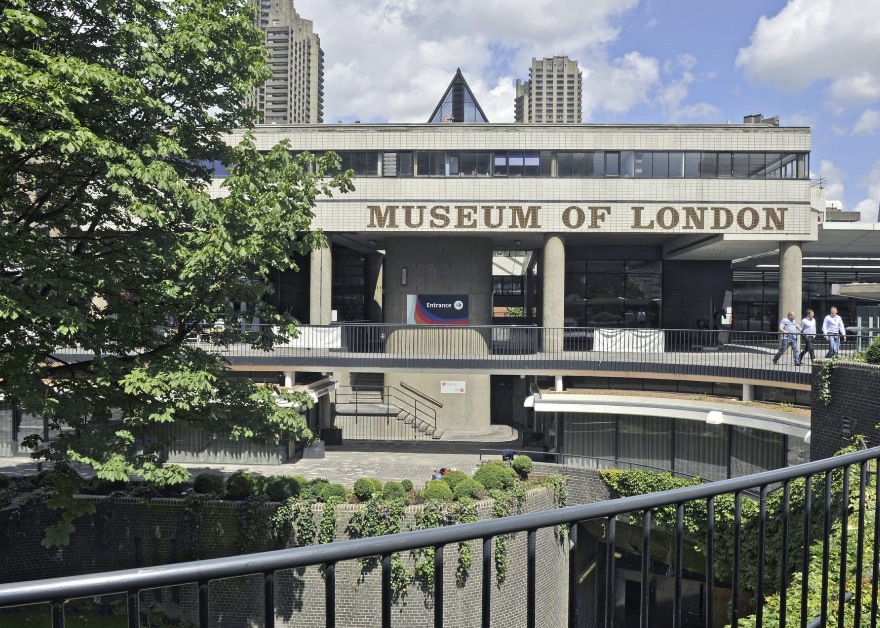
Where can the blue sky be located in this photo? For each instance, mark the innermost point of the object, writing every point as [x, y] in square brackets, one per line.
[813, 63]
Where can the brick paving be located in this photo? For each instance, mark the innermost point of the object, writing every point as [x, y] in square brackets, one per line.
[385, 460]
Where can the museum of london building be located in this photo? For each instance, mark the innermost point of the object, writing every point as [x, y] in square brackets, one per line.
[617, 226]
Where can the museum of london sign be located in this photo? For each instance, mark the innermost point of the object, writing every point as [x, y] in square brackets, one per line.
[608, 218]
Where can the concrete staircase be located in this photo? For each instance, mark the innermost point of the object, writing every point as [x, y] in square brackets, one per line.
[372, 411]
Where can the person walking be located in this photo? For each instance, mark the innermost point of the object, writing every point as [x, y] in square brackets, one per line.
[789, 328]
[833, 328]
[808, 331]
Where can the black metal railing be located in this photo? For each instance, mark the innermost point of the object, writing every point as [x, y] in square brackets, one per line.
[707, 353]
[824, 563]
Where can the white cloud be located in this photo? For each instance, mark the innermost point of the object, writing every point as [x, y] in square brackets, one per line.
[833, 178]
[867, 123]
[800, 119]
[390, 60]
[818, 40]
[856, 89]
[869, 206]
[619, 86]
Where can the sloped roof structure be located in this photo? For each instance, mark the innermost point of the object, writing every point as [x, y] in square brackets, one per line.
[458, 104]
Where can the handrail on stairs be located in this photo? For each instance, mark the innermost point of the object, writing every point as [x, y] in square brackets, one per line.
[406, 386]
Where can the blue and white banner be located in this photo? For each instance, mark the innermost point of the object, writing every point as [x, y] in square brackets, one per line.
[437, 309]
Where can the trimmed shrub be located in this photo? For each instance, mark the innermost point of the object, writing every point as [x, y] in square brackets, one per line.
[5, 481]
[241, 485]
[209, 483]
[99, 486]
[454, 477]
[437, 491]
[281, 487]
[467, 488]
[394, 490]
[522, 465]
[496, 475]
[364, 488]
[329, 491]
[872, 353]
[407, 485]
[312, 489]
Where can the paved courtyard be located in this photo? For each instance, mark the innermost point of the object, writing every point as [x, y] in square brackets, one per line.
[414, 460]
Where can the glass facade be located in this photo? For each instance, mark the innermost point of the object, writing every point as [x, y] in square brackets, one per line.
[691, 448]
[756, 296]
[598, 164]
[613, 293]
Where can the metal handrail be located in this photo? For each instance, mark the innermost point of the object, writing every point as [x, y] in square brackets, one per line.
[70, 587]
[418, 392]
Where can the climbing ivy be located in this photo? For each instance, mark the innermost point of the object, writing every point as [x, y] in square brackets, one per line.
[377, 518]
[327, 527]
[825, 380]
[558, 483]
[500, 509]
[467, 513]
[251, 520]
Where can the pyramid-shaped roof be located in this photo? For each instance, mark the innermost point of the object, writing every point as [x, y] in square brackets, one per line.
[458, 104]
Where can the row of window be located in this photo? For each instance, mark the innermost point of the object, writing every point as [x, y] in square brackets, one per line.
[581, 164]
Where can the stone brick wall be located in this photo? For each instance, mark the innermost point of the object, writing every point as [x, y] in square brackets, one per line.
[129, 532]
[854, 408]
[585, 486]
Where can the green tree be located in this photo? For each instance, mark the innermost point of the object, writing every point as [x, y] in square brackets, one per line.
[112, 115]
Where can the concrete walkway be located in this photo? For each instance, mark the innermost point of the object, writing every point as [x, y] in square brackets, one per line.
[392, 460]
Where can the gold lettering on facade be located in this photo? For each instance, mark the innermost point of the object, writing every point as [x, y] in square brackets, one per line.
[667, 218]
[522, 217]
[578, 220]
[408, 219]
[487, 216]
[439, 216]
[379, 219]
[466, 218]
[695, 217]
[719, 212]
[598, 215]
[637, 219]
[776, 215]
[524, 220]
[747, 218]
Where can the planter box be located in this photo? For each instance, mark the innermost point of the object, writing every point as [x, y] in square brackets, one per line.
[314, 451]
[331, 436]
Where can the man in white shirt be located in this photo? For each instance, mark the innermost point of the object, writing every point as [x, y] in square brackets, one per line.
[833, 328]
[808, 331]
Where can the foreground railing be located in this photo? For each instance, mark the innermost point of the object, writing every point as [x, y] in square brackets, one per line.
[743, 355]
[827, 526]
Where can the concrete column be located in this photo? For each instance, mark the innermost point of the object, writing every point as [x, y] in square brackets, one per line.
[325, 416]
[559, 387]
[320, 284]
[553, 276]
[374, 287]
[790, 280]
[748, 392]
[289, 378]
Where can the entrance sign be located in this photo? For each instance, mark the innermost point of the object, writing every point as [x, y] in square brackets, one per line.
[437, 309]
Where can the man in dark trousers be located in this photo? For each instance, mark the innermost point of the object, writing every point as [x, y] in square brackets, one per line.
[808, 329]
